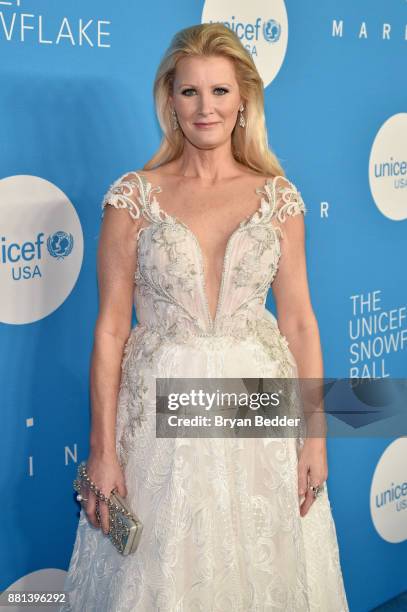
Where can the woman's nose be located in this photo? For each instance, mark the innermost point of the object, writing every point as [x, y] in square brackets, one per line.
[205, 104]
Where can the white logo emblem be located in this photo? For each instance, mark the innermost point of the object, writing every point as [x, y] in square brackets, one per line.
[41, 248]
[388, 168]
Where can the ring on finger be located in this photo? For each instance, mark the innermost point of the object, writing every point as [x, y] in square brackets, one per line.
[316, 490]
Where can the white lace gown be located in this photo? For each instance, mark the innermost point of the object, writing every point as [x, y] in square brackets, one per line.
[222, 528]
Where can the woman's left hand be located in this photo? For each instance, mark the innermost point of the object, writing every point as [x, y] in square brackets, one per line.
[312, 471]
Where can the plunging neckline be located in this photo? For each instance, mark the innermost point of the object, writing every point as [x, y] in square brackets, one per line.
[174, 220]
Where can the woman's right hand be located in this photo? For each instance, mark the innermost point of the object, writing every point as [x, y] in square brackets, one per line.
[106, 472]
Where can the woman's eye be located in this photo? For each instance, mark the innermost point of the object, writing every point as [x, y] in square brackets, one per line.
[218, 91]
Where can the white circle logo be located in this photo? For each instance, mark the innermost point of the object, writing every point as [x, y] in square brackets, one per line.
[263, 31]
[41, 248]
[388, 168]
[388, 493]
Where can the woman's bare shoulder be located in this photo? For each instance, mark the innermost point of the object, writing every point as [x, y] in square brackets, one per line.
[160, 171]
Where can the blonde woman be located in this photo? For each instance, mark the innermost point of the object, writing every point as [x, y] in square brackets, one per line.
[196, 238]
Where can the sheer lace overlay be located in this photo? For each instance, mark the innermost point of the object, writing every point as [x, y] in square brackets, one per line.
[222, 529]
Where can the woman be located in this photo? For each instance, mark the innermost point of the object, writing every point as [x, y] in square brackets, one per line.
[227, 524]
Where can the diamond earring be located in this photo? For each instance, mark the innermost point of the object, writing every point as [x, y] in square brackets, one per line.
[174, 120]
[242, 120]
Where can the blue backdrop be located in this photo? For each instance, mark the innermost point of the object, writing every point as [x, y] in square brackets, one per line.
[77, 112]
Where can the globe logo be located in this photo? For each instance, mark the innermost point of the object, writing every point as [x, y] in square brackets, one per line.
[60, 244]
[271, 31]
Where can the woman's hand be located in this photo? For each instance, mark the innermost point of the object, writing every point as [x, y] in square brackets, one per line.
[312, 470]
[106, 472]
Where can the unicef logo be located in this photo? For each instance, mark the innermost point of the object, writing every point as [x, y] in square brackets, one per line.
[388, 493]
[60, 244]
[39, 262]
[264, 36]
[388, 168]
[271, 31]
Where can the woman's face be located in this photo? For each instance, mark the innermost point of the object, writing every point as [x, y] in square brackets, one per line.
[206, 99]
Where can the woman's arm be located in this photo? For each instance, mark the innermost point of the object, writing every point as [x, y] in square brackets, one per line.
[295, 314]
[297, 322]
[116, 265]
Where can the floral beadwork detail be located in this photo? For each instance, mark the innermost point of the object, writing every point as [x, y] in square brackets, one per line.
[277, 346]
[120, 195]
[180, 266]
[293, 204]
[247, 271]
[284, 197]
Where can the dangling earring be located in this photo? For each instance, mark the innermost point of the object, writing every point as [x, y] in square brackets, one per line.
[174, 120]
[242, 120]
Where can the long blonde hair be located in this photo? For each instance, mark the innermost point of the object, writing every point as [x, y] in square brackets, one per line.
[249, 144]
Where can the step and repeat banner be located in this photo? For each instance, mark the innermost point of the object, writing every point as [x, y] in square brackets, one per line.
[77, 112]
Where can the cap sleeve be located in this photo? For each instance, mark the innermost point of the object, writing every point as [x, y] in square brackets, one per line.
[288, 200]
[124, 193]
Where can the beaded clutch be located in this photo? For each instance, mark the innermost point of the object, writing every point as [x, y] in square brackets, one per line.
[124, 527]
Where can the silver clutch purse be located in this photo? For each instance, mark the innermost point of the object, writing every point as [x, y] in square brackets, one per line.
[124, 527]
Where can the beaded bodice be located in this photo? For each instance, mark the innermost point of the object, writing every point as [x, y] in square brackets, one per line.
[170, 291]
